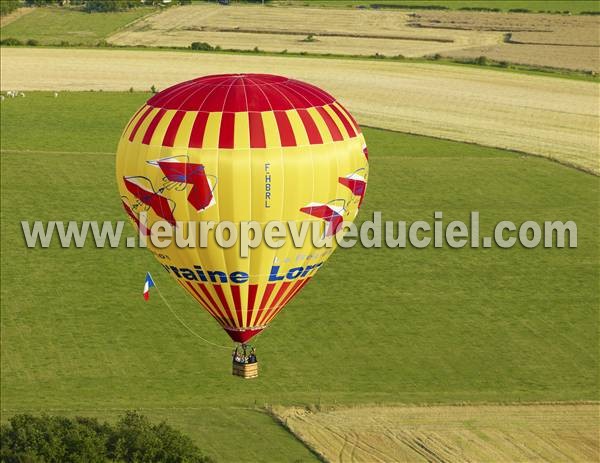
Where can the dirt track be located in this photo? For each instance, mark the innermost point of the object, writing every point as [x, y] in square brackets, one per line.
[450, 433]
[552, 117]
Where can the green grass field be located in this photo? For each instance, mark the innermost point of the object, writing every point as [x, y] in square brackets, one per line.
[573, 6]
[377, 326]
[51, 26]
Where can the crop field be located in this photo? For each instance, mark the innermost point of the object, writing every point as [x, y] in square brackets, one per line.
[570, 57]
[51, 26]
[538, 432]
[572, 6]
[552, 117]
[350, 32]
[544, 40]
[416, 325]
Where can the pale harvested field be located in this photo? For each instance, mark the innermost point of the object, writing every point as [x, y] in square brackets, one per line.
[552, 117]
[561, 41]
[365, 46]
[567, 57]
[482, 433]
[571, 42]
[339, 31]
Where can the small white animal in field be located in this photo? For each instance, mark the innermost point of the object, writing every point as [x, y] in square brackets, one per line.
[55, 94]
[22, 94]
[10, 93]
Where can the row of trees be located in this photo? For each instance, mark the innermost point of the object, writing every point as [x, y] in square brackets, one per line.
[100, 6]
[88, 5]
[57, 439]
[6, 6]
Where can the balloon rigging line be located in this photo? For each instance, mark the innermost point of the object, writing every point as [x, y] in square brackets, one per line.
[184, 324]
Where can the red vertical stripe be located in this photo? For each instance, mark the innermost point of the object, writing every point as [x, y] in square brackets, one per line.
[201, 299]
[314, 137]
[345, 121]
[235, 292]
[226, 131]
[169, 138]
[139, 122]
[331, 125]
[286, 134]
[273, 314]
[209, 298]
[233, 315]
[197, 295]
[133, 118]
[274, 305]
[263, 302]
[257, 131]
[290, 295]
[197, 135]
[251, 299]
[280, 293]
[297, 287]
[266, 295]
[152, 126]
[354, 123]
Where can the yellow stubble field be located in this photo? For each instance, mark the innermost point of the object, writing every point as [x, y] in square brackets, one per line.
[552, 117]
[551, 40]
[338, 31]
[532, 433]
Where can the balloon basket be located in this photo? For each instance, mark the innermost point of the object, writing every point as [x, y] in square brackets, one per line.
[245, 370]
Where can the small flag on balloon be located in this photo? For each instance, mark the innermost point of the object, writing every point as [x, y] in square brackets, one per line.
[149, 283]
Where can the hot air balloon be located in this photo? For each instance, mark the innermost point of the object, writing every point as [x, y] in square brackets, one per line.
[242, 147]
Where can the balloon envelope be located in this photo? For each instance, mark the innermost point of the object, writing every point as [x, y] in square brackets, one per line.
[240, 148]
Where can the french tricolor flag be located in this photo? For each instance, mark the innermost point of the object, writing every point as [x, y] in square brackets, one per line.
[149, 283]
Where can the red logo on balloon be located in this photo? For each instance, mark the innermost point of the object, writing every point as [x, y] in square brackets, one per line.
[141, 226]
[356, 184]
[332, 215]
[201, 194]
[141, 188]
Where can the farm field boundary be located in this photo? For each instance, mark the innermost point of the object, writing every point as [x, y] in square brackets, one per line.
[466, 35]
[554, 118]
[548, 432]
[533, 6]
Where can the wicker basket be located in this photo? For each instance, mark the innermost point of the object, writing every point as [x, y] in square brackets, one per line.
[245, 370]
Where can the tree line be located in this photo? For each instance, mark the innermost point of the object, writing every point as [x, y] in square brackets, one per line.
[57, 439]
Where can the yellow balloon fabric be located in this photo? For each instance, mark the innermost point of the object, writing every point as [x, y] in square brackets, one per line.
[241, 148]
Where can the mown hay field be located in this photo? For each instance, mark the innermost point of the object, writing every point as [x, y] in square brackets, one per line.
[340, 31]
[409, 46]
[551, 6]
[559, 41]
[557, 56]
[540, 432]
[547, 116]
